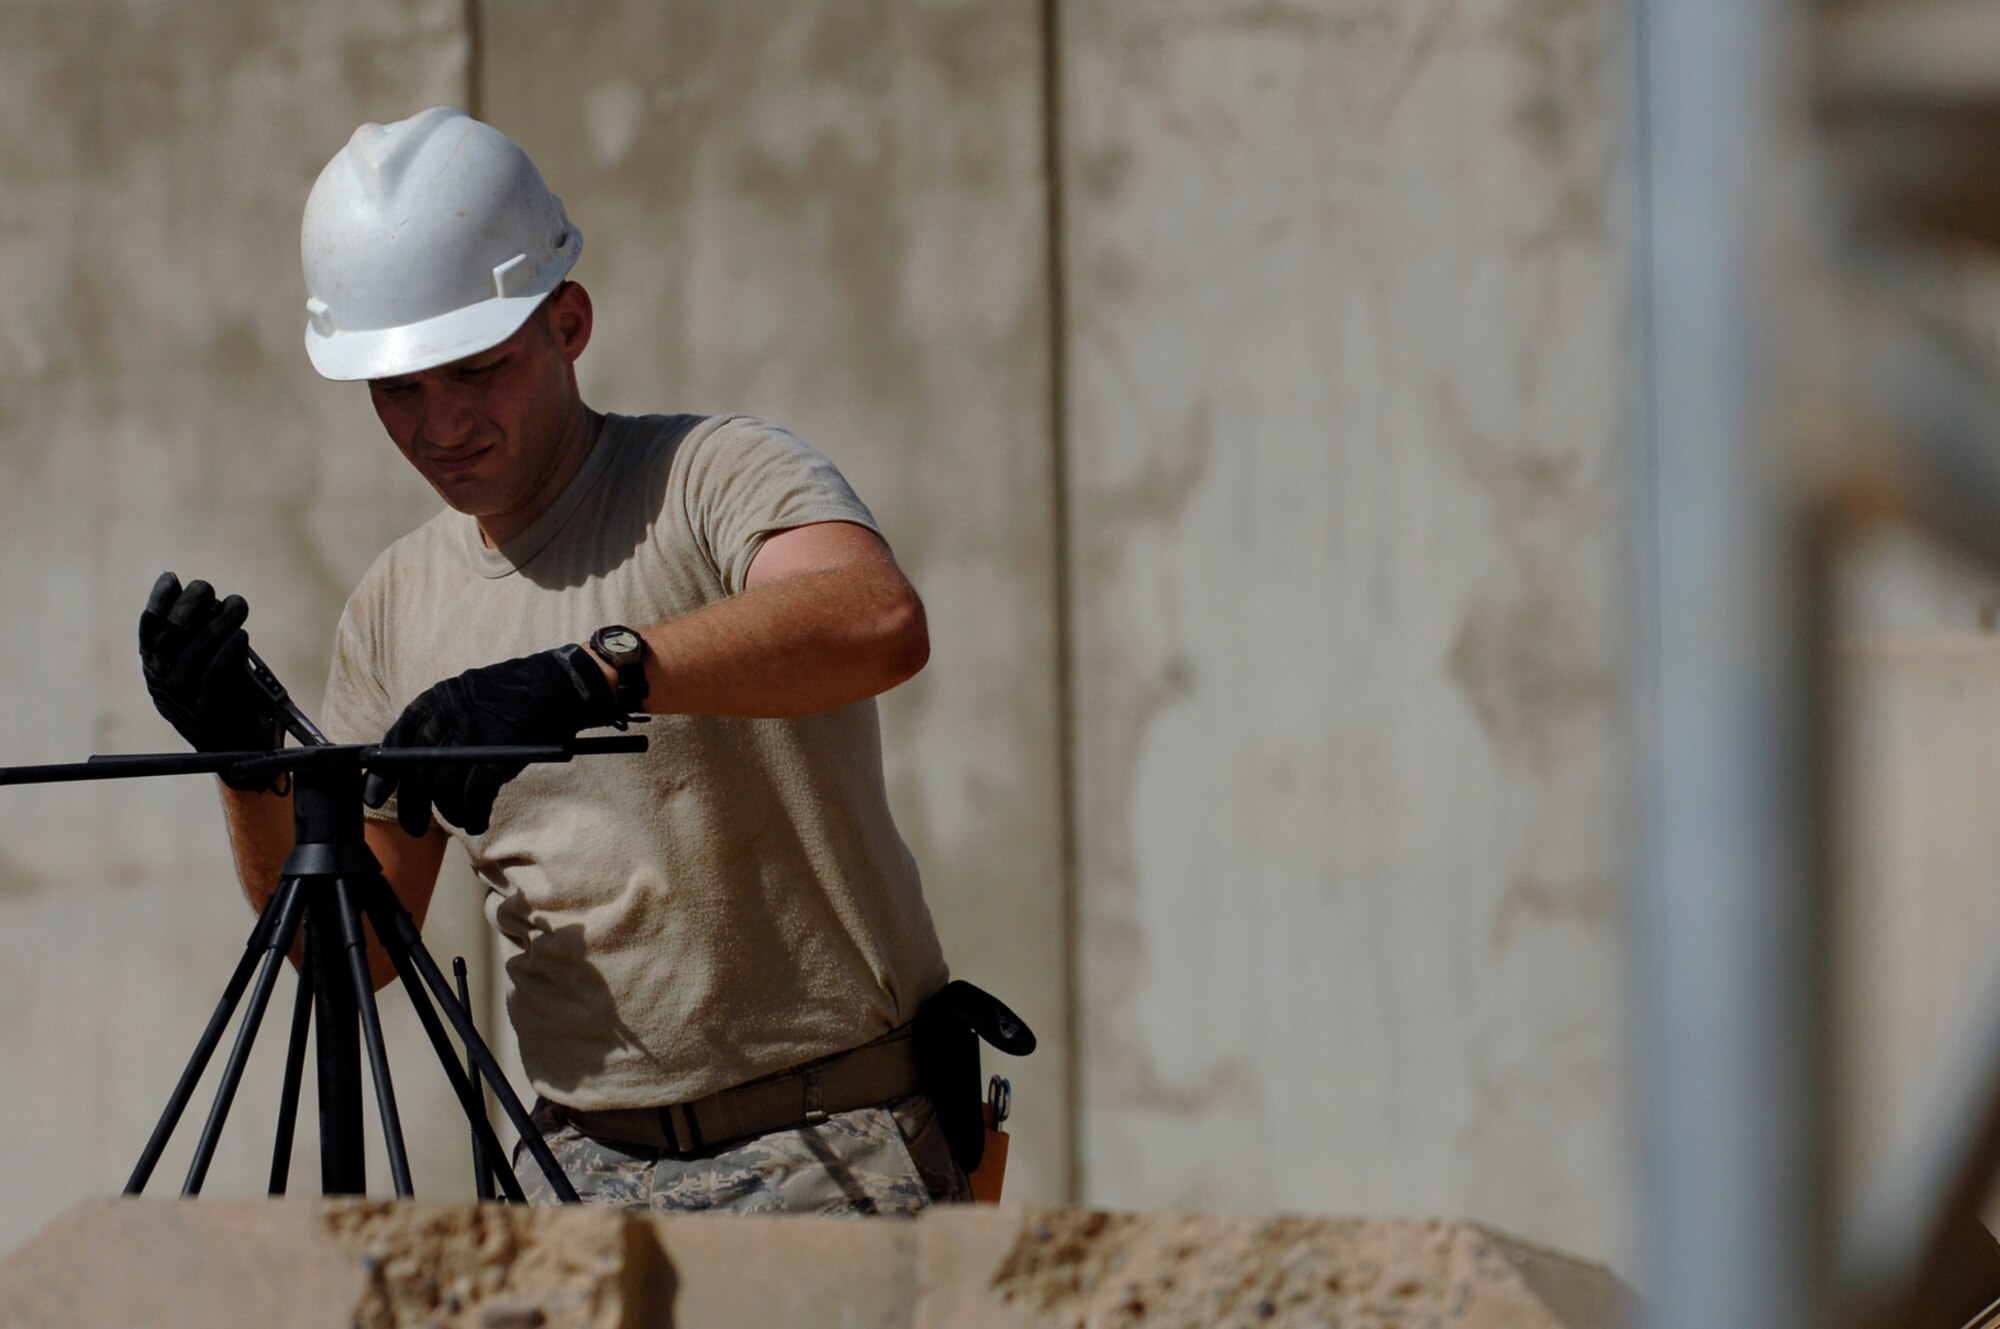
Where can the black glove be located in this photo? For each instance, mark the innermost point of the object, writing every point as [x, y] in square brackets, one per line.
[195, 655]
[541, 698]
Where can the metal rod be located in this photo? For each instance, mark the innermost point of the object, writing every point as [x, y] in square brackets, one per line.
[380, 902]
[125, 767]
[295, 1069]
[204, 1048]
[373, 758]
[343, 1166]
[405, 927]
[279, 760]
[355, 938]
[482, 1170]
[290, 905]
[556, 753]
[1984, 1316]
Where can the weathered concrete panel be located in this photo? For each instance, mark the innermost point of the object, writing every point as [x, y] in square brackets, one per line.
[1920, 917]
[157, 410]
[832, 215]
[1345, 351]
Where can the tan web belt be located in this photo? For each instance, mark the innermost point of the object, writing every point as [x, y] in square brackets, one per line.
[866, 1076]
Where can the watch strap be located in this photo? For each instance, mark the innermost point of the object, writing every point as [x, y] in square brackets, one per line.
[629, 665]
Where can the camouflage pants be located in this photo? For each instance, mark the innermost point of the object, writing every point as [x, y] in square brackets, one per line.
[880, 1160]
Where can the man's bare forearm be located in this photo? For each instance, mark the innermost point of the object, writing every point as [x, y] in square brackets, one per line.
[804, 643]
[260, 837]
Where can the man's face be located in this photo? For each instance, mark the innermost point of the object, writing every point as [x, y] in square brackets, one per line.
[486, 430]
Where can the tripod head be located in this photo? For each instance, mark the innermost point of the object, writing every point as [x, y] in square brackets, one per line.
[330, 892]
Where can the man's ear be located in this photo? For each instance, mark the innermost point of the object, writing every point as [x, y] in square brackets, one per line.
[570, 319]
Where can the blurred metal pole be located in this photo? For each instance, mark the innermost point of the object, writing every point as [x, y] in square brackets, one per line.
[1727, 917]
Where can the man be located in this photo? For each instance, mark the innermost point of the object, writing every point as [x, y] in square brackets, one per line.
[714, 950]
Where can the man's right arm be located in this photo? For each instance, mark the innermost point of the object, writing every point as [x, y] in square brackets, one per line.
[194, 654]
[260, 836]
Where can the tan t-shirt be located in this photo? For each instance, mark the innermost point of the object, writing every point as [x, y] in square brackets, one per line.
[732, 902]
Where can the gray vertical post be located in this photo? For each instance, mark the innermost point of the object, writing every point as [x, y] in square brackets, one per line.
[1726, 917]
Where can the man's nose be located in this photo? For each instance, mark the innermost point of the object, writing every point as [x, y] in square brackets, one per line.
[448, 419]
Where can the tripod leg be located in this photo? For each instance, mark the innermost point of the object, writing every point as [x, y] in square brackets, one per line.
[482, 1056]
[203, 1049]
[295, 1069]
[482, 1171]
[398, 932]
[468, 1092]
[343, 1167]
[355, 938]
[467, 1089]
[277, 945]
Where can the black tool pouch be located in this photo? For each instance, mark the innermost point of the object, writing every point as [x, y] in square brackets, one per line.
[947, 1032]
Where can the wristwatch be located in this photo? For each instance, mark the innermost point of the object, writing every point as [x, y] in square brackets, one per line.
[625, 651]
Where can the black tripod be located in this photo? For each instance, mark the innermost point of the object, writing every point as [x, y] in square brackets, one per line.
[329, 885]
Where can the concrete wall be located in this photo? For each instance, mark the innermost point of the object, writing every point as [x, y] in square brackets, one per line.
[832, 215]
[1918, 776]
[156, 411]
[1343, 328]
[1269, 569]
[1918, 914]
[838, 225]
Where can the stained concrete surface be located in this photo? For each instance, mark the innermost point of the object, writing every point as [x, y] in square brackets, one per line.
[1344, 324]
[1341, 344]
[852, 244]
[157, 411]
[832, 215]
[1919, 779]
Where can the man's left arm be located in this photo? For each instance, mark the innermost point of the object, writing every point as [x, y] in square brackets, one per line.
[825, 618]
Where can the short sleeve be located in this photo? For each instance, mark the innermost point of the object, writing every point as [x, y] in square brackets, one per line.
[357, 708]
[744, 481]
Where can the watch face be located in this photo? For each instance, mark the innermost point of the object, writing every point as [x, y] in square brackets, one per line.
[621, 641]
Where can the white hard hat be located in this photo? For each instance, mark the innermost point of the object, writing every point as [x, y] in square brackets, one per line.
[426, 241]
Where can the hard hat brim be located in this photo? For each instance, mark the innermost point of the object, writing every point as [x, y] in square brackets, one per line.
[389, 352]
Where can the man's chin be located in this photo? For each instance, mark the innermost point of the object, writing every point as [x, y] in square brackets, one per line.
[472, 499]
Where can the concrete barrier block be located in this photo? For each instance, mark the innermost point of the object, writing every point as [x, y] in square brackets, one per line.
[1034, 1269]
[167, 1264]
[312, 1264]
[784, 1272]
[490, 1266]
[329, 1264]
